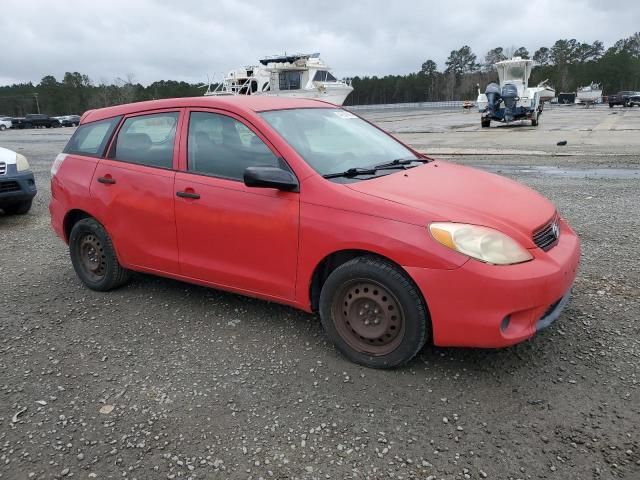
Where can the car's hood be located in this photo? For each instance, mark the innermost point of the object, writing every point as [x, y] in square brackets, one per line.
[7, 156]
[466, 195]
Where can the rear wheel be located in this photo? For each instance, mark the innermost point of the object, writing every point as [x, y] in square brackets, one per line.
[373, 313]
[3, 128]
[485, 123]
[94, 258]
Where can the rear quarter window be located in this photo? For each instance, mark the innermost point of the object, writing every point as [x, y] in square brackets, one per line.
[91, 139]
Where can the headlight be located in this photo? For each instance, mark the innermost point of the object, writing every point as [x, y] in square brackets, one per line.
[21, 162]
[482, 243]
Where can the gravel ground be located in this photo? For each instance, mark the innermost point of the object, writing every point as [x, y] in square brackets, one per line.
[162, 379]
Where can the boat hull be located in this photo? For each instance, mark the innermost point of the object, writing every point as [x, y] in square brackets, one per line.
[336, 96]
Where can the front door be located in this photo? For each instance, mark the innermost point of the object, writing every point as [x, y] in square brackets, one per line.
[229, 234]
[134, 189]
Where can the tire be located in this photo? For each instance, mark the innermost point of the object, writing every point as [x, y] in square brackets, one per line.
[611, 105]
[485, 123]
[74, 124]
[395, 325]
[27, 125]
[535, 120]
[19, 208]
[94, 258]
[3, 128]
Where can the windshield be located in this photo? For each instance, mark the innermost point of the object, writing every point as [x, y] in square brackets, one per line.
[333, 140]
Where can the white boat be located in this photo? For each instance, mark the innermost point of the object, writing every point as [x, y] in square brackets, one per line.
[512, 99]
[548, 93]
[298, 76]
[590, 94]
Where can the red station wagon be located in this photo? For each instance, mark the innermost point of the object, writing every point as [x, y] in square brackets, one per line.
[304, 203]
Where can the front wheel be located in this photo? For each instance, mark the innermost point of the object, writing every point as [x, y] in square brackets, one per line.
[485, 123]
[374, 313]
[3, 128]
[94, 258]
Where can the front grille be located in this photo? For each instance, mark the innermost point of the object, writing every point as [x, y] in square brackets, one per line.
[9, 187]
[3, 168]
[547, 236]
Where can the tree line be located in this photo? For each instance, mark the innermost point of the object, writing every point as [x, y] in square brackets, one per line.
[567, 64]
[77, 93]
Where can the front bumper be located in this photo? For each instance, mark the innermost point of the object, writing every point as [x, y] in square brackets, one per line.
[480, 305]
[16, 186]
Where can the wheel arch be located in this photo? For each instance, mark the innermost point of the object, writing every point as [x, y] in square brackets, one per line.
[333, 260]
[71, 218]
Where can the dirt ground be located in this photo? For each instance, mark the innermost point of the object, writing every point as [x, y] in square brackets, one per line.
[161, 379]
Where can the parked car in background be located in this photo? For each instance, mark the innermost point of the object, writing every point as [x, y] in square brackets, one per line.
[304, 203]
[69, 120]
[5, 123]
[17, 185]
[36, 120]
[625, 98]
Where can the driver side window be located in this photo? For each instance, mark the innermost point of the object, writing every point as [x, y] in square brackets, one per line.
[221, 146]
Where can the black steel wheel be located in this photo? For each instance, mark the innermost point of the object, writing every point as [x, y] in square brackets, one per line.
[93, 256]
[374, 313]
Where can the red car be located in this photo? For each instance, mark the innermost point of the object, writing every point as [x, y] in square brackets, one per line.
[303, 203]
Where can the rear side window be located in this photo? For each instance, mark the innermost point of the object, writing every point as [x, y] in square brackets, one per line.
[91, 139]
[147, 140]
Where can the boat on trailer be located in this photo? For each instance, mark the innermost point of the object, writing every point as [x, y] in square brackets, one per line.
[298, 76]
[512, 99]
[589, 95]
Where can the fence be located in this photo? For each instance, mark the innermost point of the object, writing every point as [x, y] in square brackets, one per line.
[444, 105]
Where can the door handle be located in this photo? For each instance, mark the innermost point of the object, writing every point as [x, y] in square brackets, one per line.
[107, 180]
[191, 195]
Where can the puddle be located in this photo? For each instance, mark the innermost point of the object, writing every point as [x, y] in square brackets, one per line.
[596, 173]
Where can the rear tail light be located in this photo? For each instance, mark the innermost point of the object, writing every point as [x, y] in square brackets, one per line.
[57, 163]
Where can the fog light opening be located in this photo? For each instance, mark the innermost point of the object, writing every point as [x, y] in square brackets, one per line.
[505, 323]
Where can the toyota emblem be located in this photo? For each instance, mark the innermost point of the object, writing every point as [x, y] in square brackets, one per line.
[555, 228]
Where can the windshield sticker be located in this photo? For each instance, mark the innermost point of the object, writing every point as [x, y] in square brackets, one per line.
[343, 114]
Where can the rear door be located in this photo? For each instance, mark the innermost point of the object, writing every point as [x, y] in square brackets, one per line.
[230, 234]
[134, 191]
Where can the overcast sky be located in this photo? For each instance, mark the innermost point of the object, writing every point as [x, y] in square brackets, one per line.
[190, 39]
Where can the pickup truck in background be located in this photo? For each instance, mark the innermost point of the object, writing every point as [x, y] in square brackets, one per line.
[36, 120]
[625, 98]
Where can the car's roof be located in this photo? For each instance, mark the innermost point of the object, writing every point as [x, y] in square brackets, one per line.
[234, 103]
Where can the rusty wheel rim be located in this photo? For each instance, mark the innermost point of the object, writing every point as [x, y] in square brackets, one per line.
[92, 257]
[368, 317]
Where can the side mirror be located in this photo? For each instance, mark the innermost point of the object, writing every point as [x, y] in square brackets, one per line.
[271, 177]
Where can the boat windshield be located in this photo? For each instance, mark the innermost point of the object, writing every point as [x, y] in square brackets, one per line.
[324, 76]
[516, 71]
[333, 140]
